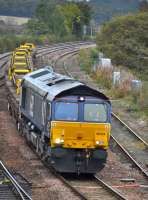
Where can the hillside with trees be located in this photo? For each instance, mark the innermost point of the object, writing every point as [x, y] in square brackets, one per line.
[103, 10]
[60, 19]
[125, 40]
[21, 8]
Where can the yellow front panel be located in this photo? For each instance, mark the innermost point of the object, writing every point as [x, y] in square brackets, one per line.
[80, 134]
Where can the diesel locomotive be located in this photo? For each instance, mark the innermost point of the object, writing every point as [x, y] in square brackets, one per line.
[67, 122]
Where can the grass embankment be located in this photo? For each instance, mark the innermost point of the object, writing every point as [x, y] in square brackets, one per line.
[122, 94]
[125, 41]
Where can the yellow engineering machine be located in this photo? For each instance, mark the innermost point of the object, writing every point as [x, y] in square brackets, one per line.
[21, 64]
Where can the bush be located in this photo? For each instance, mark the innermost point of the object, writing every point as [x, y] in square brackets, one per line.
[125, 41]
[85, 64]
[143, 98]
[104, 77]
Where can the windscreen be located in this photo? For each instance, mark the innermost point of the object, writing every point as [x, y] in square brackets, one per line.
[66, 111]
[95, 112]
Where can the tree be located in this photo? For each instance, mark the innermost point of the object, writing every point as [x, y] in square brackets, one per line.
[125, 40]
[37, 27]
[143, 5]
[58, 27]
[71, 13]
[60, 18]
[86, 12]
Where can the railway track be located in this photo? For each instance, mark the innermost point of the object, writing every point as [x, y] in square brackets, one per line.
[10, 189]
[136, 146]
[57, 54]
[136, 157]
[132, 144]
[6, 190]
[99, 189]
[91, 188]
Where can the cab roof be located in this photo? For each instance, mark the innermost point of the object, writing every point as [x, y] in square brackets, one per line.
[47, 83]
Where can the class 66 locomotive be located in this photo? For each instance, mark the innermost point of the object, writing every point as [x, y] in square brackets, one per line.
[67, 122]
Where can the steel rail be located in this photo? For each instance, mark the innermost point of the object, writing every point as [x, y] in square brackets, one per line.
[130, 157]
[104, 185]
[123, 123]
[22, 193]
[2, 76]
[77, 192]
[117, 118]
[110, 189]
[130, 130]
[61, 46]
[107, 187]
[16, 185]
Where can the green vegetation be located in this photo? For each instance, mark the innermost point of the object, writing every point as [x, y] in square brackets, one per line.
[102, 76]
[143, 5]
[125, 41]
[103, 10]
[60, 20]
[133, 100]
[12, 36]
[86, 64]
[54, 21]
[18, 7]
[10, 42]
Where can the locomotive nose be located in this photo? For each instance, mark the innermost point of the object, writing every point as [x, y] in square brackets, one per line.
[80, 135]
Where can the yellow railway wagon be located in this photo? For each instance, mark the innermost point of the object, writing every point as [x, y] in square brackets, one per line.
[21, 64]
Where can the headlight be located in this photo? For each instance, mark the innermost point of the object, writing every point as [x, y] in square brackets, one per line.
[99, 142]
[59, 141]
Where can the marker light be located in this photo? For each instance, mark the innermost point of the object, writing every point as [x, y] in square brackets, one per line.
[62, 141]
[81, 98]
[99, 142]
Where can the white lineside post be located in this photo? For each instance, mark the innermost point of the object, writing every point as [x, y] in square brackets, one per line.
[116, 78]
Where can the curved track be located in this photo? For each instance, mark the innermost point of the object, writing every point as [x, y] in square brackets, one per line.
[130, 141]
[10, 188]
[122, 127]
[58, 52]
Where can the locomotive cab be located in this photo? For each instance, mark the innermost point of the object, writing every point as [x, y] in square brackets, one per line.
[80, 131]
[80, 122]
[67, 121]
